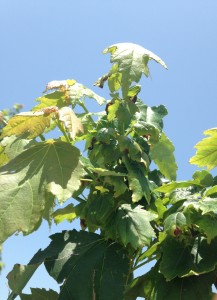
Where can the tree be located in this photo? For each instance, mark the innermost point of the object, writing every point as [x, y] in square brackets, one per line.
[131, 211]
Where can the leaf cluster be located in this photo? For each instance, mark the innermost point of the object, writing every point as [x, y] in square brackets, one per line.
[122, 186]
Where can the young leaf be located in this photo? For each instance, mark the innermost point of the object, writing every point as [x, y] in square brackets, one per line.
[32, 125]
[174, 221]
[78, 91]
[206, 155]
[132, 61]
[67, 213]
[131, 225]
[162, 153]
[71, 122]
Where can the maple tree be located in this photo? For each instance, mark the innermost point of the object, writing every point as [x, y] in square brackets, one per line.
[132, 211]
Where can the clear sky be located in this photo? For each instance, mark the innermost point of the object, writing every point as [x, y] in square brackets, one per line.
[52, 40]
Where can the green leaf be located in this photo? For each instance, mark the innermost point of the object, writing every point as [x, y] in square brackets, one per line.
[206, 204]
[138, 183]
[78, 91]
[174, 221]
[206, 155]
[18, 278]
[71, 121]
[180, 259]
[64, 214]
[52, 99]
[131, 225]
[211, 191]
[203, 177]
[32, 125]
[82, 259]
[13, 145]
[162, 153]
[40, 294]
[26, 180]
[112, 109]
[148, 121]
[170, 187]
[132, 61]
[56, 165]
[153, 286]
[3, 156]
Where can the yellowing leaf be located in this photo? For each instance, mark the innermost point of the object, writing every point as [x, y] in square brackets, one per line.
[32, 125]
[71, 122]
[64, 214]
[206, 155]
[61, 85]
[78, 91]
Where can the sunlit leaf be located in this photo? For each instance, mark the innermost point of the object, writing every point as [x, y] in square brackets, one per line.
[64, 214]
[33, 125]
[168, 188]
[206, 204]
[163, 155]
[53, 99]
[206, 155]
[61, 85]
[78, 91]
[19, 276]
[71, 121]
[132, 61]
[131, 225]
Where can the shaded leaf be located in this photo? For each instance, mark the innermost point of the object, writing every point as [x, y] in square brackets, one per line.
[138, 183]
[82, 259]
[180, 259]
[131, 225]
[162, 153]
[174, 221]
[71, 121]
[153, 286]
[206, 155]
[40, 294]
[203, 177]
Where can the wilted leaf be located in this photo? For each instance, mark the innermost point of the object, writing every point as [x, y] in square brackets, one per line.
[206, 155]
[131, 225]
[61, 85]
[72, 123]
[162, 153]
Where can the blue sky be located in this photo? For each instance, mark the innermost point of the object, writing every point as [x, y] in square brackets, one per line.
[53, 40]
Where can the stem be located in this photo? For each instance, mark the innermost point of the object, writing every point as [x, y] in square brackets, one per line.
[144, 263]
[80, 200]
[42, 137]
[62, 129]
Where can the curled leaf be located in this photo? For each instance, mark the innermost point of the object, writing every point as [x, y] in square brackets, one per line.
[71, 121]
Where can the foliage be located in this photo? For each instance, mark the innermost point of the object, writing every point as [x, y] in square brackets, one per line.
[122, 187]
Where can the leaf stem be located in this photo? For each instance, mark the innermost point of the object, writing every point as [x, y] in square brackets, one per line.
[62, 129]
